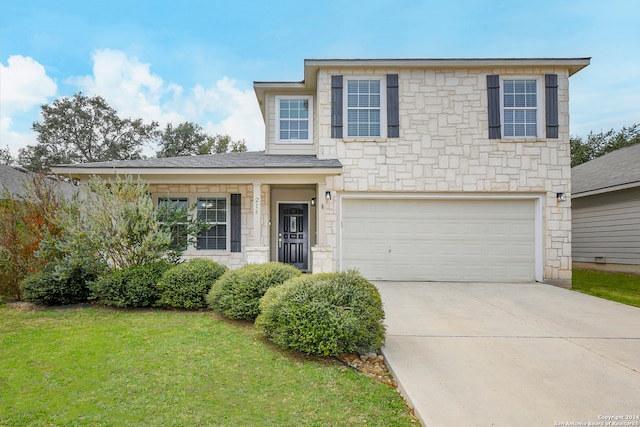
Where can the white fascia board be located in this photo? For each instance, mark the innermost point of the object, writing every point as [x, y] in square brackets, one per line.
[606, 190]
[572, 64]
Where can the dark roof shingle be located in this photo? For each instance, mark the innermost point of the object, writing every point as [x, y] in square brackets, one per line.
[620, 167]
[250, 159]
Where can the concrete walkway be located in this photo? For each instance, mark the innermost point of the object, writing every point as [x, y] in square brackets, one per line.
[484, 354]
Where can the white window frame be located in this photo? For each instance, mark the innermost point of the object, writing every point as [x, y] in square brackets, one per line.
[309, 99]
[226, 223]
[383, 106]
[539, 105]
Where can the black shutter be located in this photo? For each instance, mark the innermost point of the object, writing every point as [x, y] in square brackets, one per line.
[551, 104]
[336, 106]
[493, 98]
[393, 107]
[236, 223]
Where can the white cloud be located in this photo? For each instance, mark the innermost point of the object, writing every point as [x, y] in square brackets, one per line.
[133, 90]
[24, 86]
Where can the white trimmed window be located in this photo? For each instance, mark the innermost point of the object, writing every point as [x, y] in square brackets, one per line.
[294, 121]
[175, 209]
[365, 104]
[521, 110]
[212, 211]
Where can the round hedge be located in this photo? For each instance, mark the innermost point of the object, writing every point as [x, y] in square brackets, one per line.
[132, 286]
[324, 314]
[237, 294]
[186, 285]
[66, 282]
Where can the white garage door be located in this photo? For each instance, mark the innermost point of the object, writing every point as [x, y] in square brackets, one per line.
[439, 240]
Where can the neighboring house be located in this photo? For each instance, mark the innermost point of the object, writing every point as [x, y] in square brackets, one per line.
[15, 179]
[407, 169]
[606, 212]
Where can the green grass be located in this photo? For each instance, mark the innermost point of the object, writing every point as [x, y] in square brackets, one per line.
[102, 367]
[623, 288]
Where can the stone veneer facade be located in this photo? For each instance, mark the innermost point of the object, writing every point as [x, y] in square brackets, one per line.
[254, 245]
[444, 148]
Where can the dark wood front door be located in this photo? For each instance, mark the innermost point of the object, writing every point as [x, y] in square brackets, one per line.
[293, 234]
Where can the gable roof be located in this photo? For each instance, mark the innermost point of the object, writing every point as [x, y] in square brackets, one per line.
[613, 171]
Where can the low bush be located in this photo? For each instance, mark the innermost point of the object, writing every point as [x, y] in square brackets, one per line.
[186, 285]
[62, 282]
[131, 286]
[324, 314]
[237, 294]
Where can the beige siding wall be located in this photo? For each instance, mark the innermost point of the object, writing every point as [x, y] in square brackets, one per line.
[444, 148]
[272, 147]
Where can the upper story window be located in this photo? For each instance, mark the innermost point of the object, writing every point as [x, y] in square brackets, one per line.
[363, 107]
[523, 107]
[294, 121]
[520, 108]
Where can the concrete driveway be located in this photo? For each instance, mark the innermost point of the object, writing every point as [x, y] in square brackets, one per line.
[485, 354]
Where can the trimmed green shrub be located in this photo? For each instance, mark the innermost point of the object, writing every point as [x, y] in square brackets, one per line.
[324, 314]
[131, 286]
[237, 294]
[63, 282]
[186, 285]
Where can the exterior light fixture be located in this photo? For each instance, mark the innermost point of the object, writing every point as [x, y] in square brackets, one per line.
[327, 196]
[562, 197]
[313, 201]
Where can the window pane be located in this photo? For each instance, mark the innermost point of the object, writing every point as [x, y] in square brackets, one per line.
[284, 134]
[284, 124]
[304, 134]
[531, 116]
[352, 101]
[303, 125]
[374, 116]
[375, 130]
[363, 101]
[374, 86]
[531, 100]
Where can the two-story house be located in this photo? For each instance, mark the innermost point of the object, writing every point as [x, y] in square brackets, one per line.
[406, 169]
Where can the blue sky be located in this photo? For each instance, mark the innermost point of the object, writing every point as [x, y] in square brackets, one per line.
[196, 60]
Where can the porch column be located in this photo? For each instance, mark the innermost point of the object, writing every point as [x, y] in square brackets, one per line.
[321, 232]
[256, 235]
[321, 254]
[257, 252]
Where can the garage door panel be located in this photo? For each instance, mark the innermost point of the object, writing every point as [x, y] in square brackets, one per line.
[426, 239]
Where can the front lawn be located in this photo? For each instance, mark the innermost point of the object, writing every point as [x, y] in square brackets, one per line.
[623, 288]
[99, 366]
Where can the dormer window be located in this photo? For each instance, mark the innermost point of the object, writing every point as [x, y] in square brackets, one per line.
[294, 121]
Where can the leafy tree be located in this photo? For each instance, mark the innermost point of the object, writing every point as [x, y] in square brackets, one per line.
[599, 144]
[84, 129]
[118, 223]
[25, 221]
[189, 139]
[5, 156]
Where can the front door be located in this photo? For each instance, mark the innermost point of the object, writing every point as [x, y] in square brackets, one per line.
[293, 234]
